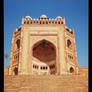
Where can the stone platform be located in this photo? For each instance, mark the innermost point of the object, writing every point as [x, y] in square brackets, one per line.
[48, 83]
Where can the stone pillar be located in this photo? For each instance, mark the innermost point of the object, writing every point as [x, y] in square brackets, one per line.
[24, 53]
[11, 57]
[22, 19]
[57, 57]
[75, 53]
[20, 53]
[29, 56]
[62, 52]
[63, 20]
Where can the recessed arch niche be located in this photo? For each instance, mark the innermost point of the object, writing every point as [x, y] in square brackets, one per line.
[45, 51]
[18, 43]
[15, 71]
[71, 69]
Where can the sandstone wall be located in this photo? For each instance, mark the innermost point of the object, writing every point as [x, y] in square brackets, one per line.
[83, 70]
[6, 70]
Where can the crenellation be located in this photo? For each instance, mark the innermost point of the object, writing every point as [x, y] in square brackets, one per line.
[43, 21]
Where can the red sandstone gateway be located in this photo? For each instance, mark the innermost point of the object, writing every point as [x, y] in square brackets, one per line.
[43, 46]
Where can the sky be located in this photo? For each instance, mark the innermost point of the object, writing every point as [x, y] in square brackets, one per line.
[76, 17]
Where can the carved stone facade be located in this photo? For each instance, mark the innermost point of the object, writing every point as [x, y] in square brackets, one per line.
[43, 46]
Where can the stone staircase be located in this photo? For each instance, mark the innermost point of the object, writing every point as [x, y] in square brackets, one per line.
[47, 83]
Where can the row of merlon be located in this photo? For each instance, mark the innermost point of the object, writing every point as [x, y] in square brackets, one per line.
[43, 22]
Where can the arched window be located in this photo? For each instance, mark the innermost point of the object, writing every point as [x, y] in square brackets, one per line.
[43, 67]
[24, 22]
[40, 67]
[71, 70]
[68, 43]
[59, 22]
[16, 71]
[18, 43]
[49, 22]
[37, 22]
[34, 22]
[46, 67]
[40, 22]
[31, 22]
[35, 66]
[52, 22]
[46, 22]
[27, 22]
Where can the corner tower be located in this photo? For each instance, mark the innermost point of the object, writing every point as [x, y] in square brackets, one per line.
[43, 46]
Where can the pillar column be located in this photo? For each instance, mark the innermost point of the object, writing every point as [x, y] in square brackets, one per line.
[62, 52]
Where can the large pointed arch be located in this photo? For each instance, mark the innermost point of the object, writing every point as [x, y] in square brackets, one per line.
[45, 51]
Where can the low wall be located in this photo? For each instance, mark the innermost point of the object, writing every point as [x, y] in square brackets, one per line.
[6, 70]
[83, 70]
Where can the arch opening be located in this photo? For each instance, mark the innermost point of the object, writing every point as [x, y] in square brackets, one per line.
[71, 70]
[15, 71]
[18, 43]
[45, 52]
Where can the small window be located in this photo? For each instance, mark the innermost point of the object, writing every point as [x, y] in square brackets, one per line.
[61, 22]
[16, 71]
[28, 22]
[58, 22]
[37, 22]
[71, 70]
[52, 22]
[18, 44]
[43, 67]
[46, 22]
[68, 43]
[34, 22]
[31, 22]
[35, 66]
[71, 32]
[40, 67]
[43, 22]
[24, 22]
[49, 22]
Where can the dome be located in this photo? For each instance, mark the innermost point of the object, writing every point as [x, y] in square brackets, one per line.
[28, 17]
[58, 17]
[43, 16]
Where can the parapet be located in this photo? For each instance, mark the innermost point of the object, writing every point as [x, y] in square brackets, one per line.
[6, 70]
[43, 20]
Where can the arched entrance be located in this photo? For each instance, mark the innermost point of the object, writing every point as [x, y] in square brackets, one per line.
[15, 71]
[45, 51]
[71, 70]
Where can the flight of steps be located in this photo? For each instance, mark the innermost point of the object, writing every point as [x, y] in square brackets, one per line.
[47, 83]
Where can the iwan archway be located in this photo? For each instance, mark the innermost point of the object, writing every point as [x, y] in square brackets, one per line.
[45, 52]
[46, 46]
